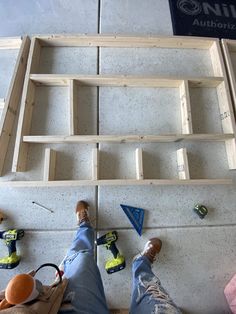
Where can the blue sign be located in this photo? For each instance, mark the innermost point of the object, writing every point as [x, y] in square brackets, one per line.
[210, 18]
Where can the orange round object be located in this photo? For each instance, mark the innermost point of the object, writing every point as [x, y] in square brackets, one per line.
[19, 289]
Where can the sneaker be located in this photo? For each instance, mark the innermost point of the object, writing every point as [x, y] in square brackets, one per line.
[82, 212]
[151, 249]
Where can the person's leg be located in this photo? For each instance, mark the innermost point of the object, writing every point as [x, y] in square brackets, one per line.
[85, 290]
[83, 240]
[148, 295]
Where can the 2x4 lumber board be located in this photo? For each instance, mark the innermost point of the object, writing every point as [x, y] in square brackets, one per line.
[230, 146]
[223, 92]
[73, 107]
[139, 163]
[227, 48]
[2, 103]
[10, 42]
[49, 165]
[123, 80]
[217, 59]
[12, 100]
[126, 41]
[95, 163]
[116, 182]
[185, 107]
[228, 122]
[182, 161]
[60, 139]
[226, 110]
[26, 109]
[225, 104]
[230, 43]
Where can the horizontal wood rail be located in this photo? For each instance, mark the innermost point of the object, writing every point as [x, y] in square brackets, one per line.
[125, 41]
[123, 80]
[57, 139]
[118, 182]
[10, 42]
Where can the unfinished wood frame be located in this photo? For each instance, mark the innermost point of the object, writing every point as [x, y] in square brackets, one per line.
[229, 47]
[218, 81]
[182, 172]
[10, 104]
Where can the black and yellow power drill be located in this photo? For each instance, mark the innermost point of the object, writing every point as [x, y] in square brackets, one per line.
[118, 262]
[10, 237]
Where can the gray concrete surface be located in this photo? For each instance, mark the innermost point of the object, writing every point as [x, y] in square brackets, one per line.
[198, 257]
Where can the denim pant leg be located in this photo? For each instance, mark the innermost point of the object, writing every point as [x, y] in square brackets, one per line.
[148, 295]
[85, 290]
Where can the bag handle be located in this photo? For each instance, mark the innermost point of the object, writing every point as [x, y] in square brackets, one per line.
[50, 265]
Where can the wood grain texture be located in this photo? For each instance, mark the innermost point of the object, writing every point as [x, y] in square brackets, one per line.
[126, 41]
[124, 80]
[165, 138]
[116, 182]
[26, 110]
[49, 165]
[182, 161]
[13, 98]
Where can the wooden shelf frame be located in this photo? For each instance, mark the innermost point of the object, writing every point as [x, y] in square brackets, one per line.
[229, 46]
[73, 82]
[50, 171]
[9, 104]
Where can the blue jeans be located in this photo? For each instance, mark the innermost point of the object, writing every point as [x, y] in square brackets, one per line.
[85, 292]
[85, 289]
[148, 295]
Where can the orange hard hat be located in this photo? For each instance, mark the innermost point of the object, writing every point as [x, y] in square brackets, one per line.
[21, 289]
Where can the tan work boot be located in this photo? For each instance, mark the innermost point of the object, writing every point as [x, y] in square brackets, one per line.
[151, 249]
[82, 213]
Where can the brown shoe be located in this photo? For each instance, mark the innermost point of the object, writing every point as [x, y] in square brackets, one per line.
[151, 249]
[82, 212]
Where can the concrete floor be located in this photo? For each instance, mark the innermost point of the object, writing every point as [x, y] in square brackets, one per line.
[198, 257]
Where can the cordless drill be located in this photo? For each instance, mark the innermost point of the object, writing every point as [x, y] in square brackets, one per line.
[118, 262]
[10, 237]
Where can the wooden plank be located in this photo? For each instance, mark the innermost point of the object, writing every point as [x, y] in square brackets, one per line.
[58, 139]
[95, 164]
[117, 182]
[186, 116]
[26, 110]
[182, 161]
[230, 43]
[225, 104]
[139, 163]
[216, 59]
[123, 80]
[230, 146]
[227, 121]
[49, 165]
[230, 68]
[126, 41]
[10, 42]
[73, 107]
[12, 100]
[2, 103]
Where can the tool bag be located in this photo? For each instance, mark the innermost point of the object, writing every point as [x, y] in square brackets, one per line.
[48, 301]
